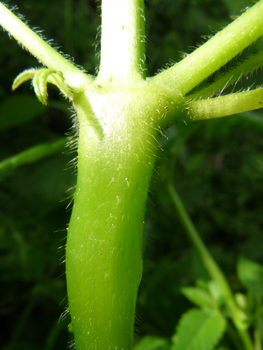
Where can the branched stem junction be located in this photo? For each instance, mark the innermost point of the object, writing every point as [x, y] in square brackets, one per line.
[119, 116]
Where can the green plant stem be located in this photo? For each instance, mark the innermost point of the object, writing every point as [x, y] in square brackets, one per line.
[216, 52]
[33, 43]
[245, 69]
[222, 106]
[105, 235]
[32, 154]
[122, 20]
[118, 118]
[209, 263]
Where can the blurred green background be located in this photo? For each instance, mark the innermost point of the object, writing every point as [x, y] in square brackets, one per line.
[218, 174]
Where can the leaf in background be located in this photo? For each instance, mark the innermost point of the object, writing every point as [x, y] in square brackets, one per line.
[19, 109]
[199, 330]
[152, 343]
[241, 300]
[32, 155]
[198, 296]
[250, 274]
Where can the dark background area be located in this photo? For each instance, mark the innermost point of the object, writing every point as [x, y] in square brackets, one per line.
[218, 176]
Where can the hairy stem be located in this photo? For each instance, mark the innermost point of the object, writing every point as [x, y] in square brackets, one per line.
[216, 52]
[225, 105]
[33, 43]
[251, 64]
[122, 20]
[105, 235]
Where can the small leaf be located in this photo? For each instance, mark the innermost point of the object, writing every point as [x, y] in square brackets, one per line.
[216, 293]
[40, 78]
[199, 330]
[23, 77]
[152, 343]
[58, 80]
[250, 274]
[198, 296]
[40, 84]
[241, 300]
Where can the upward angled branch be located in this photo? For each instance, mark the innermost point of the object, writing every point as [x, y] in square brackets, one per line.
[122, 40]
[41, 50]
[245, 69]
[225, 45]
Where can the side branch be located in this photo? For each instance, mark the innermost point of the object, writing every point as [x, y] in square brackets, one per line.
[245, 69]
[204, 61]
[225, 105]
[30, 41]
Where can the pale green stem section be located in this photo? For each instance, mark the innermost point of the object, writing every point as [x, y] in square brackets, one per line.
[209, 263]
[245, 69]
[204, 61]
[116, 155]
[122, 40]
[32, 42]
[225, 105]
[32, 154]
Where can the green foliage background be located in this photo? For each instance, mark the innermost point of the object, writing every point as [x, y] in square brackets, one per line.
[218, 175]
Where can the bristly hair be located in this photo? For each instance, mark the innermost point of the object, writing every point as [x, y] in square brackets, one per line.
[40, 32]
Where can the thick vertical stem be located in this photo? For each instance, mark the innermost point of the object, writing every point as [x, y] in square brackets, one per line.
[122, 39]
[105, 235]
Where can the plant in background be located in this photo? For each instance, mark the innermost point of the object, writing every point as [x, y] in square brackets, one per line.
[221, 311]
[120, 116]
